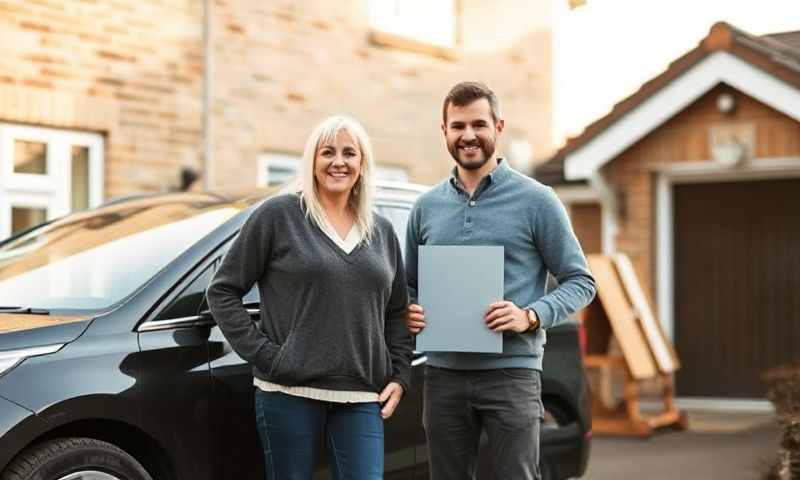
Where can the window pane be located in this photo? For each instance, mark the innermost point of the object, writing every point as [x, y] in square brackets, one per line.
[426, 21]
[278, 175]
[277, 168]
[80, 178]
[25, 217]
[188, 303]
[395, 174]
[30, 157]
[399, 218]
[253, 296]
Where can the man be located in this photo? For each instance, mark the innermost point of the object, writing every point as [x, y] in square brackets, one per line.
[485, 202]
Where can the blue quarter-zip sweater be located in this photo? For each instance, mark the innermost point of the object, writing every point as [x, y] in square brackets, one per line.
[524, 216]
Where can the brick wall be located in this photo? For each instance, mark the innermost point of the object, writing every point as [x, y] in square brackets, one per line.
[133, 71]
[279, 68]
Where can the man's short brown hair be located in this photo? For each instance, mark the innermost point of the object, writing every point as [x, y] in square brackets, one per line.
[465, 93]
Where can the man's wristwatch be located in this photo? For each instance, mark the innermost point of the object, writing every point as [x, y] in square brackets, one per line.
[533, 320]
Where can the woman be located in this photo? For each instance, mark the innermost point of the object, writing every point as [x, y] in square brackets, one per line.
[331, 354]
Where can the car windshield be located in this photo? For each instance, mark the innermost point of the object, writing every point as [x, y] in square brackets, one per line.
[92, 260]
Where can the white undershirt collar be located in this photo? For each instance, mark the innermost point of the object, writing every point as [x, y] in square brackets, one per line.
[348, 243]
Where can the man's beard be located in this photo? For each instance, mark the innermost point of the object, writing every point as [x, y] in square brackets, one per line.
[486, 148]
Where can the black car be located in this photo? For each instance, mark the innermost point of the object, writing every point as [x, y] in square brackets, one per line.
[112, 368]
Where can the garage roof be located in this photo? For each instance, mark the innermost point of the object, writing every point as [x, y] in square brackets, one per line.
[727, 55]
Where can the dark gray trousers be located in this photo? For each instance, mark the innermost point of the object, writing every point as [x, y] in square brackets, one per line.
[460, 403]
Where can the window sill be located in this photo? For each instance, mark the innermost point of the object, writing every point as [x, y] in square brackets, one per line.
[390, 40]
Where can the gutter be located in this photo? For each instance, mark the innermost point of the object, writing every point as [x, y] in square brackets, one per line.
[609, 200]
[208, 172]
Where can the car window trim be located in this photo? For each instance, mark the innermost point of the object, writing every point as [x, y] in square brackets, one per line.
[202, 320]
[177, 290]
[394, 203]
[183, 322]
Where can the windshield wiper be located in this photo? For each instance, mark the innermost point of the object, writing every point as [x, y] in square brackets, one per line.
[30, 310]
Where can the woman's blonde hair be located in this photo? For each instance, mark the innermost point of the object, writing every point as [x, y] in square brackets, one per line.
[361, 195]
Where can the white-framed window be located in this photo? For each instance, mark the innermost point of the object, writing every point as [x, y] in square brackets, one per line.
[276, 168]
[279, 168]
[423, 22]
[46, 173]
[395, 174]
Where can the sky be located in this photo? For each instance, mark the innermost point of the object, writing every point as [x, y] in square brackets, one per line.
[606, 49]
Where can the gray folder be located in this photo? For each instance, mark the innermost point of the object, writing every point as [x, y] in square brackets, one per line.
[456, 285]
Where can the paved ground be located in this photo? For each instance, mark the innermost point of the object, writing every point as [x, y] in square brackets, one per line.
[724, 446]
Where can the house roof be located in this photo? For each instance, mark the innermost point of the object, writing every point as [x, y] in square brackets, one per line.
[776, 54]
[792, 39]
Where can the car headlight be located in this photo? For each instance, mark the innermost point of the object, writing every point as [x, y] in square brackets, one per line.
[11, 358]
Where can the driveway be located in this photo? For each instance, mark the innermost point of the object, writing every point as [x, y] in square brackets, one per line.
[724, 446]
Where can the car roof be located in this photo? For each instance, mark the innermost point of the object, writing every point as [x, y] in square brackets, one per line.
[385, 190]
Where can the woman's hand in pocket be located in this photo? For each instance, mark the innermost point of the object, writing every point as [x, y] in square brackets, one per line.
[389, 398]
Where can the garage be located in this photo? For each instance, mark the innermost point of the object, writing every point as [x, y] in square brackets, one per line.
[737, 284]
[696, 178]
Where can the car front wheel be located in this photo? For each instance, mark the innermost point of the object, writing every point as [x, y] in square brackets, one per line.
[74, 459]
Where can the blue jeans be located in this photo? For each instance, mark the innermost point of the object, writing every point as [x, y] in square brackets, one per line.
[293, 429]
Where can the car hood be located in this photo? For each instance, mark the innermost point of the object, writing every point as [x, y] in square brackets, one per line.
[24, 331]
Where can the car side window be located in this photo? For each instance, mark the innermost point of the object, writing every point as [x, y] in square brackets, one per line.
[252, 298]
[398, 215]
[190, 301]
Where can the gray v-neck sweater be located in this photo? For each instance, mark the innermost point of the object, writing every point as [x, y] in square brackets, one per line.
[329, 319]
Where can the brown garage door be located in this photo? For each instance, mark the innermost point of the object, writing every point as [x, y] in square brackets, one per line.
[737, 284]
